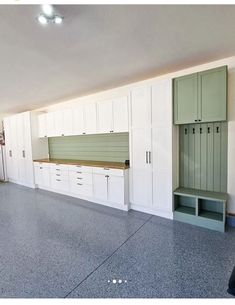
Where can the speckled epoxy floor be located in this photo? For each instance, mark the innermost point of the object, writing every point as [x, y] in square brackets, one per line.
[57, 246]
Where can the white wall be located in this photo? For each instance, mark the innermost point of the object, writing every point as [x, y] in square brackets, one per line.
[231, 111]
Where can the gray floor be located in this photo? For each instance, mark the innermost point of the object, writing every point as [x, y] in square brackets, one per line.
[57, 246]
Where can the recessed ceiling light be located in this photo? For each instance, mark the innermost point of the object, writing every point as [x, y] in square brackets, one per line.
[47, 9]
[58, 19]
[42, 19]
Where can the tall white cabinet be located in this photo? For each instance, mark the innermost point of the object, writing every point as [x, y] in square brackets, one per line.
[151, 148]
[22, 146]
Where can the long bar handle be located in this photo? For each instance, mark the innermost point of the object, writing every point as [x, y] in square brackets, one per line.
[150, 158]
[147, 158]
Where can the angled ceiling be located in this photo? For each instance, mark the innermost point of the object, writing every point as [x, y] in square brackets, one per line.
[100, 47]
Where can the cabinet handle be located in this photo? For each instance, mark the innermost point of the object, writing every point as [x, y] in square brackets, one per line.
[79, 178]
[40, 167]
[83, 133]
[58, 175]
[111, 130]
[79, 172]
[199, 120]
[147, 159]
[57, 169]
[45, 136]
[150, 157]
[58, 180]
[106, 169]
[62, 135]
[195, 120]
[10, 153]
[23, 153]
[79, 183]
[107, 176]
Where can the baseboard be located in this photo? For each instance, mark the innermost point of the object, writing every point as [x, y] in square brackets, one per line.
[30, 185]
[168, 215]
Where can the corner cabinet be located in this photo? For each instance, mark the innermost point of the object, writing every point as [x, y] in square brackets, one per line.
[201, 97]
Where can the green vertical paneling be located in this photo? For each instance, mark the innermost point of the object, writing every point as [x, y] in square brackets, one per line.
[224, 144]
[217, 157]
[210, 157]
[100, 147]
[186, 155]
[203, 163]
[191, 161]
[203, 156]
[197, 156]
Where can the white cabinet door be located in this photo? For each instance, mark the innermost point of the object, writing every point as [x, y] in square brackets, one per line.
[8, 141]
[120, 115]
[50, 125]
[67, 122]
[46, 177]
[116, 189]
[58, 123]
[78, 122]
[42, 129]
[141, 167]
[100, 186]
[90, 116]
[15, 152]
[105, 116]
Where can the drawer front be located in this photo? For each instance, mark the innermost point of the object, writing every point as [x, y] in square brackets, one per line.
[108, 171]
[85, 178]
[81, 189]
[59, 184]
[62, 175]
[41, 164]
[58, 167]
[80, 168]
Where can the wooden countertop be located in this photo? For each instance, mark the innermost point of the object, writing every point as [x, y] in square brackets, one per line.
[115, 165]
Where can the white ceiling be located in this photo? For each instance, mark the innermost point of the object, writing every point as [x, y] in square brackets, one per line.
[100, 47]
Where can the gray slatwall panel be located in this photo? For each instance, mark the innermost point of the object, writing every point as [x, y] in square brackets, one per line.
[103, 147]
[208, 159]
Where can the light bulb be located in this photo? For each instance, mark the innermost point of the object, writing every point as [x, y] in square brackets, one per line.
[58, 19]
[47, 9]
[42, 19]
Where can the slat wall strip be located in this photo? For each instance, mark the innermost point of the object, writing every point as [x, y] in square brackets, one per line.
[210, 158]
[181, 155]
[203, 152]
[191, 160]
[197, 157]
[224, 145]
[186, 156]
[101, 147]
[217, 156]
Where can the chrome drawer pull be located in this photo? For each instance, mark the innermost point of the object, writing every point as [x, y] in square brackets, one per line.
[79, 184]
[58, 175]
[79, 178]
[58, 180]
[79, 172]
[106, 169]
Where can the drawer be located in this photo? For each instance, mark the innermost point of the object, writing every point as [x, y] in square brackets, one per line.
[81, 189]
[59, 184]
[58, 167]
[80, 168]
[108, 171]
[62, 175]
[41, 164]
[85, 178]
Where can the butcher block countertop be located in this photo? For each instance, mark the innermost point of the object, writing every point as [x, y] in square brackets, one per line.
[116, 165]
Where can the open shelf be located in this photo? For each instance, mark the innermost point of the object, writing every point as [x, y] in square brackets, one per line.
[201, 208]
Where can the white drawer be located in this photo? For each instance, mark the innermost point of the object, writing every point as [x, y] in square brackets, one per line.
[58, 167]
[85, 178]
[41, 164]
[81, 189]
[62, 175]
[80, 168]
[59, 184]
[108, 171]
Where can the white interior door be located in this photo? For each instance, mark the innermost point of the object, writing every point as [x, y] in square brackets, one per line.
[105, 116]
[90, 116]
[120, 114]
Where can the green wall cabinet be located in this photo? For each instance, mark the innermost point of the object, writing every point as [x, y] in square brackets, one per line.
[201, 97]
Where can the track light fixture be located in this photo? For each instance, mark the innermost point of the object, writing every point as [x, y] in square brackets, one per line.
[48, 15]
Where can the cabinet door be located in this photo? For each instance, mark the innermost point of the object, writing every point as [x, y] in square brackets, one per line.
[50, 124]
[100, 185]
[105, 116]
[8, 141]
[38, 175]
[213, 95]
[68, 122]
[78, 122]
[90, 118]
[120, 115]
[46, 177]
[14, 146]
[58, 123]
[42, 130]
[186, 99]
[116, 189]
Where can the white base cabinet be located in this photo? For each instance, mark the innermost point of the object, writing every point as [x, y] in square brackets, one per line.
[105, 186]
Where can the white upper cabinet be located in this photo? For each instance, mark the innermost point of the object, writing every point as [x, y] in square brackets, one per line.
[50, 124]
[42, 128]
[90, 117]
[78, 122]
[120, 115]
[58, 123]
[113, 115]
[105, 116]
[67, 122]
